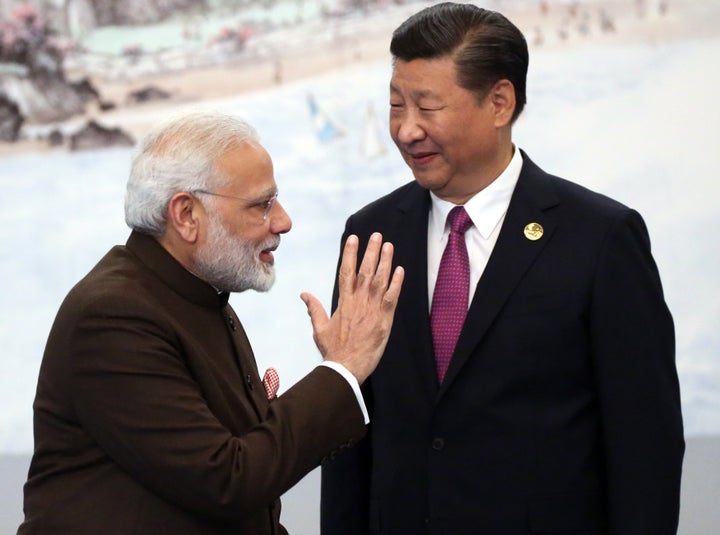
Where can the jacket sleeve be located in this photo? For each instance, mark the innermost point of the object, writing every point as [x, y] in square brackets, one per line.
[137, 399]
[345, 490]
[633, 343]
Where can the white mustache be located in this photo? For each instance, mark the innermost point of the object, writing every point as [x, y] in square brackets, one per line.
[270, 244]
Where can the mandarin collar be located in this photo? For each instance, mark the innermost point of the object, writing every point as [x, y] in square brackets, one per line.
[171, 272]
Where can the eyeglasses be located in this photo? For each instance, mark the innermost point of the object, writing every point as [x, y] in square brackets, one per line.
[266, 204]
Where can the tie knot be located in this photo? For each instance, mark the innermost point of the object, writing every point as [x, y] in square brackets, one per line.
[459, 220]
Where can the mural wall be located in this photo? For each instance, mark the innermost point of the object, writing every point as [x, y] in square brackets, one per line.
[624, 84]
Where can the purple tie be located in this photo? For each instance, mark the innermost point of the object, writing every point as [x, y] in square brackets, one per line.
[450, 299]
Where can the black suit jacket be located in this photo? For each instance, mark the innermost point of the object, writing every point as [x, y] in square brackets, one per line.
[151, 418]
[560, 411]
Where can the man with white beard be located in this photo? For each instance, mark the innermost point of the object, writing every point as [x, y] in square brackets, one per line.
[150, 414]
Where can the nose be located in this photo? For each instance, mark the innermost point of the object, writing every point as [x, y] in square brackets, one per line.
[280, 221]
[405, 128]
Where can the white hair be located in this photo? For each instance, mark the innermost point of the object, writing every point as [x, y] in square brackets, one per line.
[179, 155]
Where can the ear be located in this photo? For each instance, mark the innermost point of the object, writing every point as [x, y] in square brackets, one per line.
[502, 97]
[184, 216]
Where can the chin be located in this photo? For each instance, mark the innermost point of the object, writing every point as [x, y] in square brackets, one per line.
[426, 177]
[265, 279]
[433, 184]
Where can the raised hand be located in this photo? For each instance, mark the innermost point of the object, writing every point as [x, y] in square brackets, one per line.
[357, 333]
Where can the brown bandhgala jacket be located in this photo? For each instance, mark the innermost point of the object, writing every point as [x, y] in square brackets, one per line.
[150, 416]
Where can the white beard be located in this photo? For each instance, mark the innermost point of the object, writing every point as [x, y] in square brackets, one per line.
[231, 264]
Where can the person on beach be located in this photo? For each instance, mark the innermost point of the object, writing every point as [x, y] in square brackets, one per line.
[529, 384]
[150, 415]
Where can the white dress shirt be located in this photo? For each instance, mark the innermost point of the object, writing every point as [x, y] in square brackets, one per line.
[487, 210]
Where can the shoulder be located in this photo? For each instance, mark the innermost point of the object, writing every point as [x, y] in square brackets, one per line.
[587, 200]
[403, 198]
[568, 195]
[118, 285]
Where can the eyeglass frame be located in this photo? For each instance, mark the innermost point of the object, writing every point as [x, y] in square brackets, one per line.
[270, 202]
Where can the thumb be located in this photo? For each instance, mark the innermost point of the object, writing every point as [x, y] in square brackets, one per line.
[315, 310]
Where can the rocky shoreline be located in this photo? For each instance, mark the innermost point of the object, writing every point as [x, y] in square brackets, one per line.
[110, 103]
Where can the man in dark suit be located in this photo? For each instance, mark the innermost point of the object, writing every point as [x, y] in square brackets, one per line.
[559, 411]
[150, 414]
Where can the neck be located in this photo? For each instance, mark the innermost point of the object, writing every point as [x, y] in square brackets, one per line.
[489, 173]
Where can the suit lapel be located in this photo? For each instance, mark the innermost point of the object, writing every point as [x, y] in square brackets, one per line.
[512, 256]
[412, 310]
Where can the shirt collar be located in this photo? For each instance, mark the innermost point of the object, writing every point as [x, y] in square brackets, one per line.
[487, 207]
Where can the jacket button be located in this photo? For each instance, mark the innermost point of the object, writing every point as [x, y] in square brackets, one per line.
[438, 443]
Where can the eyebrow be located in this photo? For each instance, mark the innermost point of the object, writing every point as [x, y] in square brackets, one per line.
[265, 194]
[418, 93]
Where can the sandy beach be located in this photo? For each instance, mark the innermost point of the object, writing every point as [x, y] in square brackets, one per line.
[319, 47]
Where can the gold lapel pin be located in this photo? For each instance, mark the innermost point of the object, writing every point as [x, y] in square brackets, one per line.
[533, 231]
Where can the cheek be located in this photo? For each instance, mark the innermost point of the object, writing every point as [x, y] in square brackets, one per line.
[446, 130]
[393, 127]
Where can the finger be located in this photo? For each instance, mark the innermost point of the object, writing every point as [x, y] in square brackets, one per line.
[384, 268]
[348, 266]
[318, 316]
[390, 299]
[370, 259]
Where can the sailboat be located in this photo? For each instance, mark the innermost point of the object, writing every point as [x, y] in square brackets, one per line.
[325, 129]
[371, 142]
